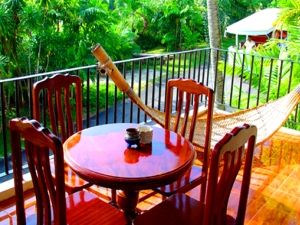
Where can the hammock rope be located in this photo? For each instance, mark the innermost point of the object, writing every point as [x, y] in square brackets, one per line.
[268, 117]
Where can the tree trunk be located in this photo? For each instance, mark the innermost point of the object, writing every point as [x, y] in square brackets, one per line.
[215, 43]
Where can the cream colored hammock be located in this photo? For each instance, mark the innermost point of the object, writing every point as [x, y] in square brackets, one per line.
[268, 117]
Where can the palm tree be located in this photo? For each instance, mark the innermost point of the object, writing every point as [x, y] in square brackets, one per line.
[215, 43]
[289, 17]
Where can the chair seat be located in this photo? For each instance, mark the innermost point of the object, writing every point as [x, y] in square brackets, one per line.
[189, 180]
[85, 208]
[73, 182]
[179, 209]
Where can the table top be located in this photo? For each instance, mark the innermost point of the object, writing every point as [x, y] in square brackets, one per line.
[100, 155]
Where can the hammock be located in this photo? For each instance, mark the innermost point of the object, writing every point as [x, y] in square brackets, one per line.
[268, 118]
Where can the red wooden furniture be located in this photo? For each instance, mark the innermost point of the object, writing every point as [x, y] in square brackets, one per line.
[52, 207]
[58, 92]
[100, 155]
[225, 163]
[188, 95]
[259, 39]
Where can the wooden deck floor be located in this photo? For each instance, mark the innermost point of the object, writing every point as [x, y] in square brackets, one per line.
[274, 196]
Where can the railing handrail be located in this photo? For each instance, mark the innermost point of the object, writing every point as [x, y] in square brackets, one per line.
[94, 65]
[251, 54]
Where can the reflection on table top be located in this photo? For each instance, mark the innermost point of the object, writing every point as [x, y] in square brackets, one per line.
[100, 155]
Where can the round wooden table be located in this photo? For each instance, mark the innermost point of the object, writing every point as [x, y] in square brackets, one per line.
[100, 155]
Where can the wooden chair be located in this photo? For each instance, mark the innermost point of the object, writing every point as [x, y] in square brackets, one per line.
[189, 95]
[57, 93]
[52, 207]
[225, 163]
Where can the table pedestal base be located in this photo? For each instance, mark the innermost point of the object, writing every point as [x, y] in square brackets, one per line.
[127, 201]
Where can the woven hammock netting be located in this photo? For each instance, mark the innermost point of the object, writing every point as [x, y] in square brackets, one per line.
[268, 118]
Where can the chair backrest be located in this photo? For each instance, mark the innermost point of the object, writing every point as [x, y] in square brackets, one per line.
[189, 96]
[50, 193]
[227, 157]
[59, 93]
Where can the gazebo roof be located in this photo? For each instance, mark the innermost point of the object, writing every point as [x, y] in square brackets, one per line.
[259, 23]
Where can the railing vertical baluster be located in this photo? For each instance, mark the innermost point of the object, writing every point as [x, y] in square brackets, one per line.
[115, 103]
[241, 81]
[4, 127]
[208, 67]
[190, 65]
[250, 81]
[259, 80]
[139, 90]
[290, 77]
[88, 98]
[173, 66]
[132, 86]
[166, 80]
[167, 69]
[203, 68]
[199, 66]
[147, 87]
[153, 82]
[179, 65]
[224, 78]
[30, 96]
[160, 82]
[184, 64]
[97, 97]
[232, 79]
[124, 95]
[195, 65]
[44, 107]
[106, 99]
[279, 79]
[270, 78]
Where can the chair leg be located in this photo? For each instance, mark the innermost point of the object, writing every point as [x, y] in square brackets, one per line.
[113, 200]
[202, 192]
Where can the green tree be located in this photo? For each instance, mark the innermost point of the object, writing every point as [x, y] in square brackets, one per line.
[58, 34]
[10, 13]
[174, 24]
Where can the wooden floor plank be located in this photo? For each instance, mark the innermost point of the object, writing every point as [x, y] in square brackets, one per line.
[274, 196]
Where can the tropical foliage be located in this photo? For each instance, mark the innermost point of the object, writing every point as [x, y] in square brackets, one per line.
[43, 35]
[290, 19]
[38, 36]
[273, 64]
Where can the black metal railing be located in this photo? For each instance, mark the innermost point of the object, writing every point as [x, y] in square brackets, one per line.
[248, 81]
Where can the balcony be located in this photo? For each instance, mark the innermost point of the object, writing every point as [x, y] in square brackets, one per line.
[249, 81]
